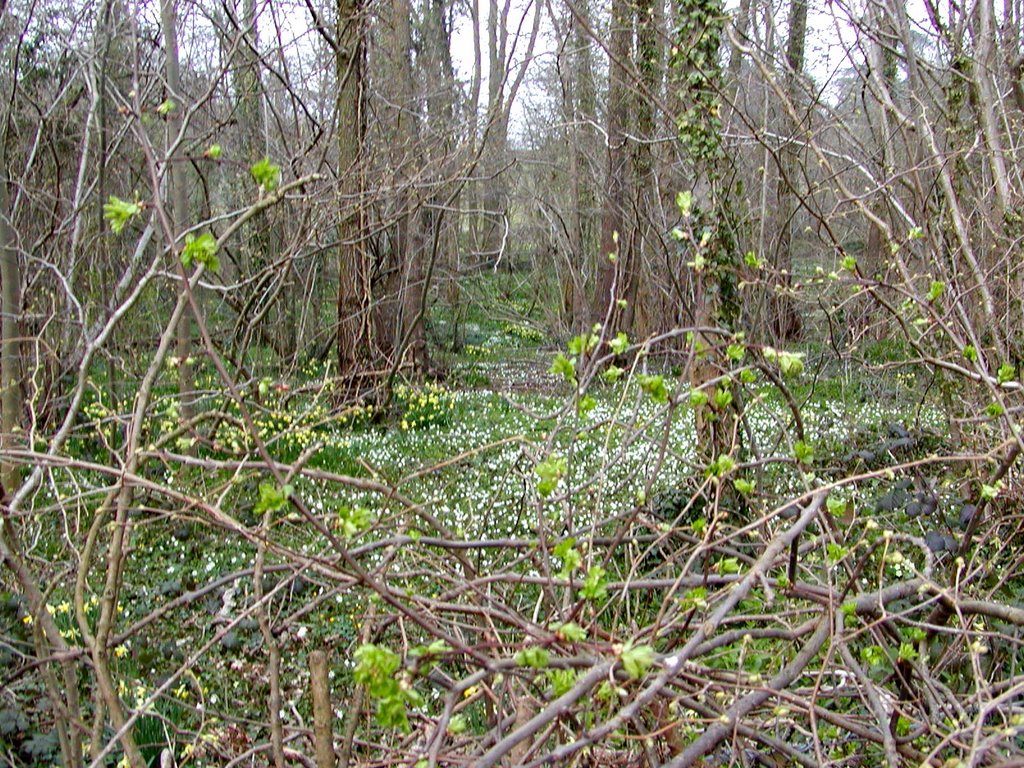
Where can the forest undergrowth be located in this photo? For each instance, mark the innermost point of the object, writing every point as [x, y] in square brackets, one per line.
[495, 535]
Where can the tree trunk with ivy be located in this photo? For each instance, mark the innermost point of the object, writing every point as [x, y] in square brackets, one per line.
[707, 230]
[10, 376]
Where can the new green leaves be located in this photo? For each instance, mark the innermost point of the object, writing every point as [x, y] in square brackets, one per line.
[119, 212]
[570, 556]
[272, 498]
[698, 398]
[377, 668]
[534, 657]
[563, 366]
[549, 472]
[654, 386]
[266, 174]
[790, 363]
[743, 486]
[721, 466]
[612, 374]
[684, 202]
[595, 584]
[585, 342]
[637, 659]
[201, 250]
[570, 632]
[352, 520]
[803, 452]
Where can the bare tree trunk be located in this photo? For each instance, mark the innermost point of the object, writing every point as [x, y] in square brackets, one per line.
[179, 212]
[881, 58]
[584, 187]
[742, 25]
[111, 13]
[495, 184]
[988, 104]
[410, 334]
[578, 102]
[248, 86]
[261, 239]
[397, 303]
[470, 193]
[637, 317]
[613, 244]
[991, 115]
[439, 226]
[786, 323]
[576, 219]
[319, 683]
[501, 95]
[354, 339]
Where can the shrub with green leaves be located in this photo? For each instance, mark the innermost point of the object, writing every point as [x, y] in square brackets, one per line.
[378, 668]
